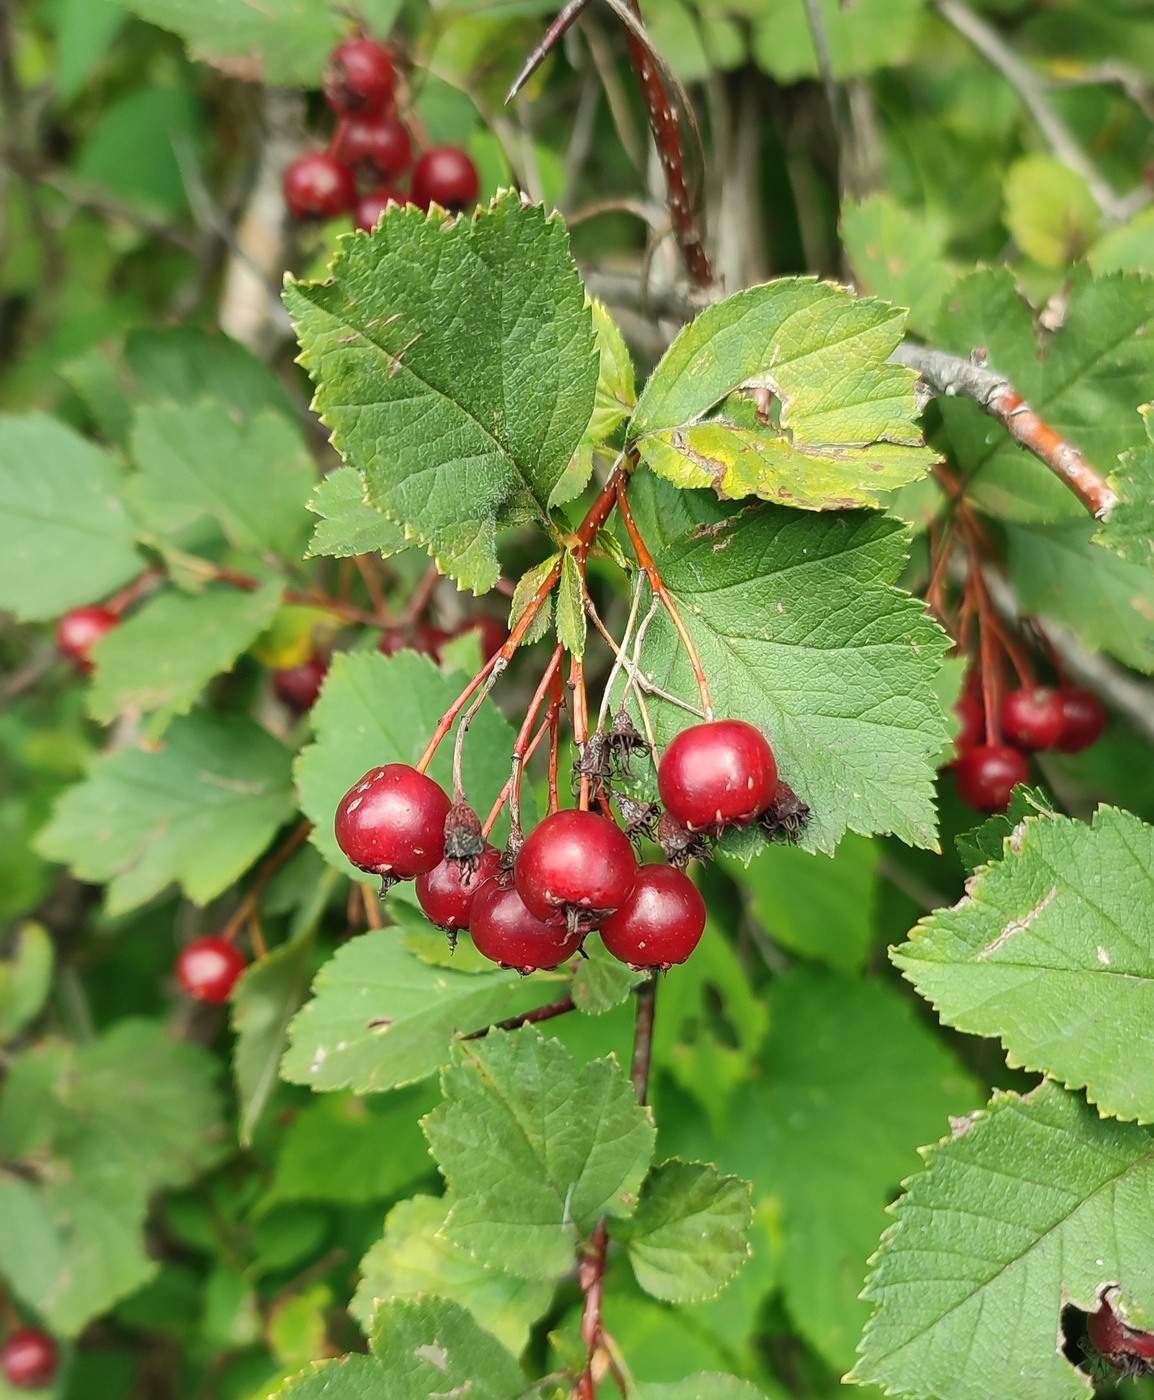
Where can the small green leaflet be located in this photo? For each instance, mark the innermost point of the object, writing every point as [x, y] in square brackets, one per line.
[847, 428]
[455, 365]
[1050, 211]
[1130, 529]
[25, 978]
[65, 536]
[1052, 951]
[416, 1257]
[571, 627]
[971, 1279]
[197, 811]
[527, 586]
[349, 524]
[536, 1148]
[601, 982]
[986, 843]
[899, 254]
[866, 35]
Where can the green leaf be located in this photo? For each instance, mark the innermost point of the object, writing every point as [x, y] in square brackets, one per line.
[1129, 531]
[708, 1385]
[298, 1326]
[898, 254]
[1032, 1204]
[1050, 210]
[25, 979]
[601, 982]
[455, 366]
[847, 425]
[571, 626]
[801, 632]
[867, 35]
[380, 1017]
[690, 1233]
[527, 586]
[986, 843]
[536, 1149]
[65, 537]
[616, 391]
[1051, 951]
[252, 476]
[349, 524]
[164, 654]
[186, 365]
[1085, 380]
[197, 811]
[416, 1257]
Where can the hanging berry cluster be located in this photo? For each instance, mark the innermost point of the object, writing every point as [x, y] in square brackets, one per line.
[370, 157]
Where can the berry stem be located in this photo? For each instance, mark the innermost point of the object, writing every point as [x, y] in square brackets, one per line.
[247, 907]
[470, 714]
[526, 1018]
[448, 719]
[521, 754]
[513, 788]
[556, 703]
[580, 722]
[591, 1275]
[643, 1036]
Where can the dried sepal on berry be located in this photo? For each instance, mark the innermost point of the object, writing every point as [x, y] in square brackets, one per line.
[464, 840]
[787, 815]
[679, 843]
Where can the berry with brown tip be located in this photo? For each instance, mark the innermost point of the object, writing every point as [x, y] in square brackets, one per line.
[506, 932]
[447, 892]
[445, 176]
[209, 968]
[359, 77]
[1128, 1349]
[392, 823]
[576, 867]
[660, 923]
[719, 774]
[375, 147]
[318, 187]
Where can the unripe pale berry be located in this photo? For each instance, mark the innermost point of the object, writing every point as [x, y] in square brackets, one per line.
[209, 968]
[716, 775]
[660, 923]
[392, 823]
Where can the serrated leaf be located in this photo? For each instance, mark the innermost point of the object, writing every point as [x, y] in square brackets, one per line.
[616, 391]
[571, 626]
[198, 811]
[455, 366]
[601, 982]
[1051, 951]
[380, 1017]
[971, 1280]
[65, 536]
[252, 476]
[986, 843]
[847, 425]
[415, 1256]
[527, 586]
[25, 978]
[1129, 531]
[899, 254]
[163, 655]
[536, 1148]
[690, 1233]
[801, 632]
[349, 524]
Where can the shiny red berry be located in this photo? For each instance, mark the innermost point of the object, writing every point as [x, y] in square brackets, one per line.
[318, 187]
[577, 867]
[369, 208]
[208, 968]
[972, 718]
[298, 686]
[503, 930]
[660, 923]
[1033, 718]
[1119, 1343]
[78, 631]
[29, 1358]
[1083, 719]
[359, 77]
[446, 893]
[445, 176]
[392, 822]
[988, 774]
[374, 147]
[717, 775]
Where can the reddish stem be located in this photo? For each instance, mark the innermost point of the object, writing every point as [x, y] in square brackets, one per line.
[591, 1275]
[580, 722]
[556, 702]
[248, 905]
[643, 1036]
[448, 719]
[527, 1018]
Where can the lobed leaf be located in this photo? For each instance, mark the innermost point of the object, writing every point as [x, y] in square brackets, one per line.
[349, 523]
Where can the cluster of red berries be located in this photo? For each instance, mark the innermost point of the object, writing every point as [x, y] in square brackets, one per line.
[533, 906]
[29, 1359]
[1032, 720]
[371, 151]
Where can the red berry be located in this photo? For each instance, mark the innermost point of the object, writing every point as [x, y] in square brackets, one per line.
[973, 721]
[29, 1358]
[1032, 718]
[1117, 1342]
[374, 147]
[503, 930]
[299, 686]
[209, 967]
[660, 923]
[370, 207]
[1083, 719]
[717, 775]
[575, 866]
[492, 634]
[422, 638]
[318, 187]
[359, 77]
[446, 893]
[445, 176]
[78, 631]
[392, 822]
[988, 774]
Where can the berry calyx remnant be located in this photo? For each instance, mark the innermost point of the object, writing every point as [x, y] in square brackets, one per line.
[78, 631]
[660, 923]
[1033, 718]
[1083, 719]
[575, 867]
[392, 823]
[318, 187]
[506, 932]
[376, 147]
[29, 1359]
[447, 892]
[208, 968]
[716, 775]
[359, 77]
[298, 686]
[445, 176]
[988, 774]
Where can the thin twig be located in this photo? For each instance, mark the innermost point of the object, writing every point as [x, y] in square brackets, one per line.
[527, 1018]
[643, 1037]
[591, 1276]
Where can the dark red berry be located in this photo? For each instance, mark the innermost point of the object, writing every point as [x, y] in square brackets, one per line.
[1033, 718]
[369, 208]
[1083, 719]
[374, 147]
[298, 686]
[30, 1358]
[504, 931]
[359, 77]
[209, 967]
[78, 631]
[577, 867]
[318, 187]
[717, 775]
[660, 923]
[490, 632]
[1118, 1343]
[445, 176]
[972, 718]
[988, 774]
[446, 893]
[392, 822]
[423, 638]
